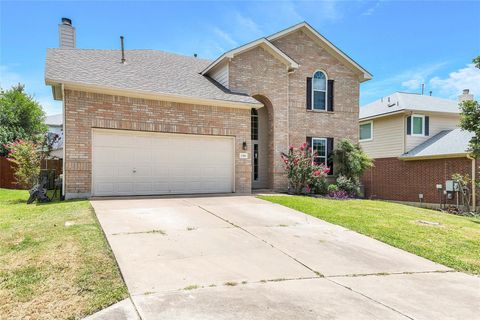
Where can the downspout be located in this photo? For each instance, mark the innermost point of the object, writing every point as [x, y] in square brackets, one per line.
[474, 186]
[64, 144]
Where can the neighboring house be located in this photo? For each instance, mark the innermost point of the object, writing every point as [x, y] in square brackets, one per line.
[55, 126]
[417, 146]
[141, 122]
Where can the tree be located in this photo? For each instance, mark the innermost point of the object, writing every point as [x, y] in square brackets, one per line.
[476, 62]
[26, 159]
[351, 162]
[21, 117]
[470, 120]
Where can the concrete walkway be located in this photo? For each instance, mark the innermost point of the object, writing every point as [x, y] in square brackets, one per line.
[238, 257]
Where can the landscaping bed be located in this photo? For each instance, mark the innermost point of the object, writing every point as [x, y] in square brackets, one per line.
[54, 260]
[451, 240]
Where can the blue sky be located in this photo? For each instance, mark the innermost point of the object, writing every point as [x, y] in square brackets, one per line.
[402, 43]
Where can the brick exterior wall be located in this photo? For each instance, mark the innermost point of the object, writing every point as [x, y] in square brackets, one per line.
[85, 111]
[257, 72]
[394, 179]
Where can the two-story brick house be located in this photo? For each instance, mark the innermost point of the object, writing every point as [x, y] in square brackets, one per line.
[417, 146]
[140, 122]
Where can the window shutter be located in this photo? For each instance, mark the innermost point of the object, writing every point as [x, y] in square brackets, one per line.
[409, 125]
[330, 95]
[330, 155]
[427, 125]
[309, 93]
[309, 141]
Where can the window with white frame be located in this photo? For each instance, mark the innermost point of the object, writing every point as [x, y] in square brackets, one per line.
[319, 147]
[418, 125]
[366, 131]
[319, 91]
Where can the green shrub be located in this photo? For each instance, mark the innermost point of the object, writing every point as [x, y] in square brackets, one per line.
[350, 186]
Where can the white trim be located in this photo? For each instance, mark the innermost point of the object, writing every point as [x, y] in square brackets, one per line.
[326, 151]
[423, 125]
[330, 46]
[371, 131]
[259, 42]
[326, 91]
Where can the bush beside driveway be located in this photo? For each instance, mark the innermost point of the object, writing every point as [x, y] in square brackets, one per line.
[451, 240]
[54, 260]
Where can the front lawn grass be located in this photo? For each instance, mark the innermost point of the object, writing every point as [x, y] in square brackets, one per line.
[455, 242]
[54, 260]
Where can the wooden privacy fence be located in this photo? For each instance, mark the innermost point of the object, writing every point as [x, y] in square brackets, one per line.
[7, 177]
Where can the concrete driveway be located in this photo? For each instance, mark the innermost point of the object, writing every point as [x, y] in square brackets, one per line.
[238, 257]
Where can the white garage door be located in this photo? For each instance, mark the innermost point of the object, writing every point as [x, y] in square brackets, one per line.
[140, 163]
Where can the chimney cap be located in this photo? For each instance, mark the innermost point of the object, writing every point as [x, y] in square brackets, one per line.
[466, 91]
[67, 21]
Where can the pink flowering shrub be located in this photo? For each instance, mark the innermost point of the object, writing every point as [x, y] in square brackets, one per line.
[303, 175]
[25, 157]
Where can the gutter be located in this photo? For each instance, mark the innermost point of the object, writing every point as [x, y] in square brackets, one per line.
[431, 157]
[474, 186]
[154, 96]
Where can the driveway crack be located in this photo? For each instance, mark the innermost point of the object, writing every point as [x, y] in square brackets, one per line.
[263, 240]
[319, 275]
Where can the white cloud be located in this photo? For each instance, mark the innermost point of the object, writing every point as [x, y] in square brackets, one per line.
[415, 77]
[329, 10]
[225, 36]
[372, 9]
[410, 80]
[246, 24]
[452, 86]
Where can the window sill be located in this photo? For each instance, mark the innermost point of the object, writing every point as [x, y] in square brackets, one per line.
[320, 111]
[365, 140]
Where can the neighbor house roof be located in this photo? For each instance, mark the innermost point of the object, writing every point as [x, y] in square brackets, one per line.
[291, 64]
[150, 72]
[446, 143]
[54, 120]
[399, 102]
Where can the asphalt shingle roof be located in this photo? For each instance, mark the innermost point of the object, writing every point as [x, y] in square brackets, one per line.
[149, 71]
[400, 101]
[445, 142]
[54, 120]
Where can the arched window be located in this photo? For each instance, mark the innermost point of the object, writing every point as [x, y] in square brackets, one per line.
[319, 91]
[254, 124]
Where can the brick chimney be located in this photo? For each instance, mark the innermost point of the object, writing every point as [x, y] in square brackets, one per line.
[465, 96]
[66, 34]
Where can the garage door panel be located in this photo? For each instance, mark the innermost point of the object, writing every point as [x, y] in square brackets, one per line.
[135, 163]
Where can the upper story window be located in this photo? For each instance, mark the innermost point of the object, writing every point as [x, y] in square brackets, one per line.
[418, 125]
[254, 124]
[366, 131]
[319, 91]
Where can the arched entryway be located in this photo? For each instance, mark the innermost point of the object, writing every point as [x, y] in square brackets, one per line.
[262, 147]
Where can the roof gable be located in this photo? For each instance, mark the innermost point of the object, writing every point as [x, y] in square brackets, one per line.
[327, 45]
[262, 42]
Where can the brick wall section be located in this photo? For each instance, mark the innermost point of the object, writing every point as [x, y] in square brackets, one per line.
[85, 111]
[258, 72]
[394, 179]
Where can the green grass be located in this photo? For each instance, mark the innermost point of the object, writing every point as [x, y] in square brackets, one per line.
[50, 269]
[454, 243]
